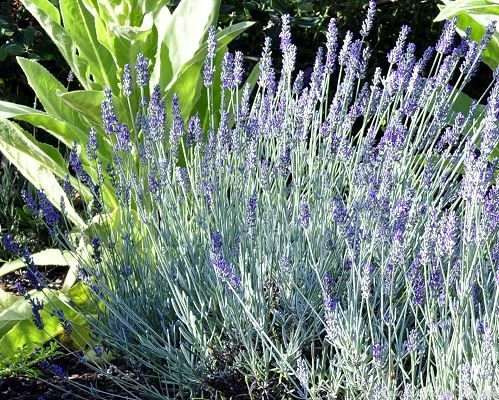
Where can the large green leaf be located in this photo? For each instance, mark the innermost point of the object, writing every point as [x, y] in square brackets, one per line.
[476, 14]
[40, 163]
[60, 37]
[46, 86]
[454, 7]
[45, 257]
[61, 130]
[181, 37]
[79, 24]
[17, 328]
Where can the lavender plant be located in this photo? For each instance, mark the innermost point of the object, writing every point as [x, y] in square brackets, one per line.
[338, 240]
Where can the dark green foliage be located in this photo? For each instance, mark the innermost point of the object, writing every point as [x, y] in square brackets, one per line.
[14, 215]
[311, 18]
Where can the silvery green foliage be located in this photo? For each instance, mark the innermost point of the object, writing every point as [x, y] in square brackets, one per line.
[319, 246]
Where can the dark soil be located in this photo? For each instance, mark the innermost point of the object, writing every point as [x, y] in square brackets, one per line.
[79, 384]
[78, 375]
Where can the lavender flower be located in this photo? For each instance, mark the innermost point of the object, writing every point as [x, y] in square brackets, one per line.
[446, 41]
[316, 80]
[49, 213]
[9, 245]
[287, 47]
[298, 83]
[448, 234]
[70, 77]
[216, 243]
[345, 49]
[305, 215]
[36, 306]
[395, 55]
[92, 144]
[251, 211]
[379, 354]
[226, 272]
[284, 161]
[466, 389]
[182, 176]
[415, 342]
[97, 251]
[194, 131]
[54, 369]
[487, 355]
[127, 80]
[368, 22]
[303, 374]
[238, 68]
[66, 325]
[228, 71]
[108, 113]
[209, 68]
[266, 79]
[331, 46]
[491, 210]
[417, 280]
[365, 281]
[142, 69]
[123, 138]
[156, 117]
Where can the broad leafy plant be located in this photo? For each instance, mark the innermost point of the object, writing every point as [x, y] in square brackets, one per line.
[97, 39]
[477, 15]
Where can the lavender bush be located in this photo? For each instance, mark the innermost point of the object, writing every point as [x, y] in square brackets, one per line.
[331, 240]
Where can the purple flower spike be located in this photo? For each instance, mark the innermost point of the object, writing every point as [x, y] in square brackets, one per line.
[305, 215]
[77, 167]
[379, 352]
[142, 69]
[216, 242]
[127, 80]
[30, 202]
[54, 369]
[9, 245]
[446, 41]
[228, 71]
[109, 118]
[395, 55]
[97, 252]
[298, 83]
[209, 69]
[36, 306]
[123, 136]
[238, 68]
[331, 46]
[251, 211]
[156, 116]
[92, 145]
[226, 272]
[287, 47]
[49, 213]
[368, 22]
[266, 79]
[32, 274]
[194, 130]
[345, 49]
